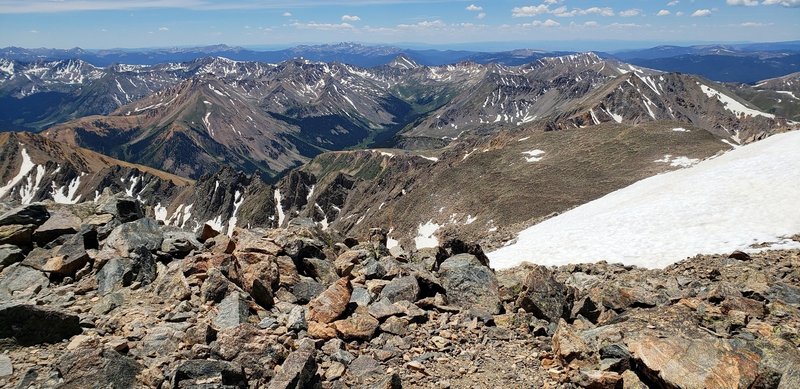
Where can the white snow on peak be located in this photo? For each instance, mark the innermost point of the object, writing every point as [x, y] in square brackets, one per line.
[748, 195]
[161, 212]
[534, 155]
[238, 199]
[278, 207]
[681, 129]
[25, 167]
[732, 105]
[70, 197]
[425, 235]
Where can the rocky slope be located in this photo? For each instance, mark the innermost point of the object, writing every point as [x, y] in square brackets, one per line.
[35, 168]
[97, 296]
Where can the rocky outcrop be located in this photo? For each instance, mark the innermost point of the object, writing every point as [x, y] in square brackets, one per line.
[295, 307]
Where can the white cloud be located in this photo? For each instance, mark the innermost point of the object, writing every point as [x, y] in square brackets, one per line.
[163, 29]
[624, 25]
[475, 8]
[323, 26]
[287, 14]
[350, 18]
[754, 24]
[673, 3]
[564, 12]
[480, 15]
[529, 11]
[34, 31]
[785, 3]
[591, 23]
[701, 13]
[630, 13]
[663, 12]
[425, 24]
[679, 13]
[539, 23]
[749, 3]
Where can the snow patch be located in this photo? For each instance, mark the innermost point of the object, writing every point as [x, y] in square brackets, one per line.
[669, 217]
[534, 155]
[425, 235]
[681, 129]
[238, 199]
[732, 105]
[70, 197]
[677, 161]
[278, 207]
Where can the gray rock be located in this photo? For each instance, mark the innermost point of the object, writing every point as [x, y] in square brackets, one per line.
[122, 272]
[10, 254]
[6, 368]
[321, 270]
[17, 234]
[232, 311]
[132, 235]
[92, 366]
[373, 269]
[60, 223]
[296, 320]
[306, 290]
[29, 324]
[382, 309]
[108, 303]
[179, 243]
[468, 283]
[364, 366]
[35, 214]
[125, 209]
[342, 356]
[18, 278]
[543, 296]
[208, 373]
[299, 370]
[361, 296]
[215, 287]
[401, 288]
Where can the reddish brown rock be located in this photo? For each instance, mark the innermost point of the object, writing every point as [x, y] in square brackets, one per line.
[330, 304]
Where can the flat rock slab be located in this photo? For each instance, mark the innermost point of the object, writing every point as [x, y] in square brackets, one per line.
[29, 324]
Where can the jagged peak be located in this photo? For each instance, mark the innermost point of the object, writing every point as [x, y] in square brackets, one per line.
[403, 61]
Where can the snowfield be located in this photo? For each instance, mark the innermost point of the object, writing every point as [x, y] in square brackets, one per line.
[749, 195]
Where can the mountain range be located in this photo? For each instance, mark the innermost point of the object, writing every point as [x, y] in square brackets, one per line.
[473, 150]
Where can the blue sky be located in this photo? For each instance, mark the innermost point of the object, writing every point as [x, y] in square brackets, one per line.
[268, 23]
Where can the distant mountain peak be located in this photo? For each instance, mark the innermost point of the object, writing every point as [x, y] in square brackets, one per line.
[403, 61]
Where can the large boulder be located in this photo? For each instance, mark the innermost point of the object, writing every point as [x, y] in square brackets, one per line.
[681, 362]
[17, 234]
[34, 214]
[179, 243]
[121, 272]
[20, 280]
[545, 297]
[124, 209]
[208, 373]
[10, 254]
[469, 283]
[91, 366]
[127, 237]
[30, 324]
[299, 370]
[72, 255]
[401, 288]
[232, 311]
[331, 303]
[61, 222]
[258, 276]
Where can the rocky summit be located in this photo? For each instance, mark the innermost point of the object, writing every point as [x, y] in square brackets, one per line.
[97, 295]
